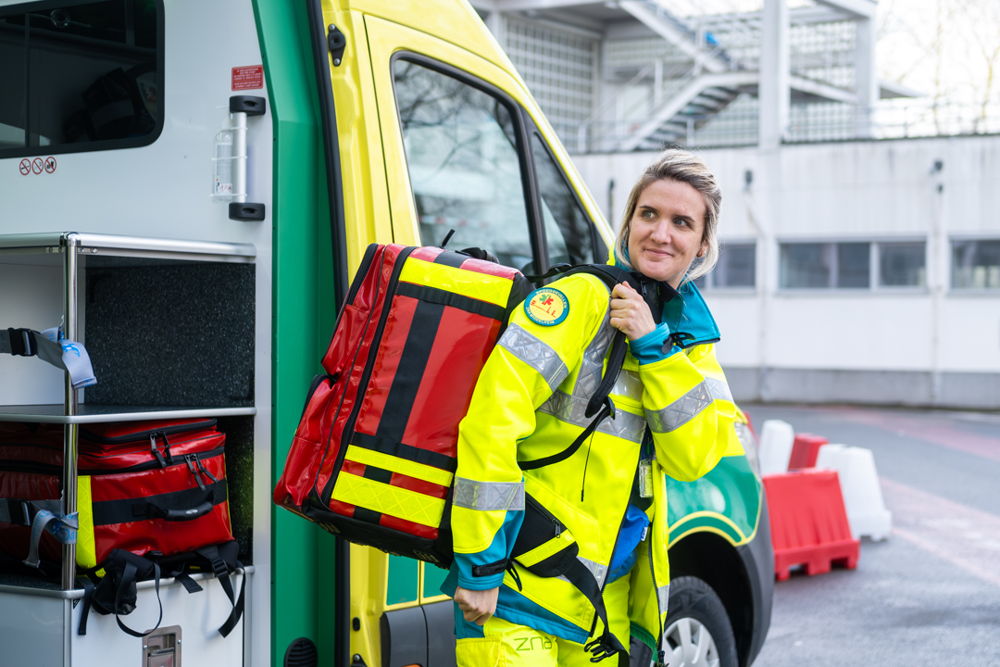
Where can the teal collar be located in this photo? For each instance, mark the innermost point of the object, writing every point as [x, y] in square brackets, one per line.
[689, 319]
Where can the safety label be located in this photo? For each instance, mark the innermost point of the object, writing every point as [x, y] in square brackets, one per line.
[249, 77]
[36, 166]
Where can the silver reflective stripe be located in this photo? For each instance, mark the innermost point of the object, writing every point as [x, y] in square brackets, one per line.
[719, 389]
[592, 364]
[663, 597]
[628, 384]
[599, 571]
[486, 496]
[572, 410]
[687, 407]
[535, 353]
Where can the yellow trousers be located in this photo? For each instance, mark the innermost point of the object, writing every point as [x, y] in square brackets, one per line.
[506, 644]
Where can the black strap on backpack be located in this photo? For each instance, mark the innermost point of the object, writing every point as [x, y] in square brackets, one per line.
[541, 527]
[115, 592]
[600, 405]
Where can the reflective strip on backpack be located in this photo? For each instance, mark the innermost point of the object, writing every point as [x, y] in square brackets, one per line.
[385, 498]
[399, 465]
[472, 284]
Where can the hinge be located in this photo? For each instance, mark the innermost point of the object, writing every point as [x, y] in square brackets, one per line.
[337, 42]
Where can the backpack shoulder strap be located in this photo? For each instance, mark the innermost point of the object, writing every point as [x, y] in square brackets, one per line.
[599, 405]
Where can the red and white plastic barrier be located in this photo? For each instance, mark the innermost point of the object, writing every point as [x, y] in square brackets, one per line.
[809, 526]
[866, 510]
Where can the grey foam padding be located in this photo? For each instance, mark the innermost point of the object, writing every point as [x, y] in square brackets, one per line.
[163, 334]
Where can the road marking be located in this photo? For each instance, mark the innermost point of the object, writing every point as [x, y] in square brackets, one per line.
[964, 536]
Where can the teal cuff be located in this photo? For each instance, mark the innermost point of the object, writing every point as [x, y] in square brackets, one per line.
[654, 346]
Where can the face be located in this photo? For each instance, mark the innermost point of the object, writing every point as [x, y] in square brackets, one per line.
[666, 230]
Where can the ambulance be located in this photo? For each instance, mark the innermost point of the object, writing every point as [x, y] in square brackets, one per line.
[186, 189]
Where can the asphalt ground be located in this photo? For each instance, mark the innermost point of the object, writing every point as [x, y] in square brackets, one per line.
[930, 593]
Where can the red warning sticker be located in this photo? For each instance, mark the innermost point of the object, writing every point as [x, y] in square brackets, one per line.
[249, 77]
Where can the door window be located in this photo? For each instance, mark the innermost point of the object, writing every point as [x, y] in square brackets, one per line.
[463, 163]
[569, 233]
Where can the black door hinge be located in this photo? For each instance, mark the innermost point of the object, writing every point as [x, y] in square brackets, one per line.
[336, 42]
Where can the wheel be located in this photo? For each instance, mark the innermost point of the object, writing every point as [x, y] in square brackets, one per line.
[698, 631]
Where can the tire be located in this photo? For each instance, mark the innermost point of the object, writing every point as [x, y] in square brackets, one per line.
[698, 632]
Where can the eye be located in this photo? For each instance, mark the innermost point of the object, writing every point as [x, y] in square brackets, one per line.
[682, 222]
[647, 214]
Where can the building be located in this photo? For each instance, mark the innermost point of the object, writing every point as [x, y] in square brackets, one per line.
[861, 248]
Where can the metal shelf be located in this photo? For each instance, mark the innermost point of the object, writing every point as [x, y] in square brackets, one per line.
[96, 414]
[47, 248]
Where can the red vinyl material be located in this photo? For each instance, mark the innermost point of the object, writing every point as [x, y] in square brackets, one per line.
[401, 367]
[124, 474]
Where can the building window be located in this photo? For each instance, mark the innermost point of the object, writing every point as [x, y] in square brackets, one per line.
[80, 76]
[975, 264]
[902, 264]
[853, 265]
[737, 268]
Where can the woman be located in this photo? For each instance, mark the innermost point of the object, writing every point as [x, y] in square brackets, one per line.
[609, 497]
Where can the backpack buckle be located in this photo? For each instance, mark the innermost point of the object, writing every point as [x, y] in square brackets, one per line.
[22, 343]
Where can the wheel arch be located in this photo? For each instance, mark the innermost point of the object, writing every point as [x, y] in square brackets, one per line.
[716, 561]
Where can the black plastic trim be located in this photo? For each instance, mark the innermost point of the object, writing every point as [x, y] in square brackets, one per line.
[758, 559]
[331, 145]
[251, 105]
[246, 211]
[338, 244]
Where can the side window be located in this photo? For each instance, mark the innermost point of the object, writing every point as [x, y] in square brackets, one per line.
[80, 76]
[463, 164]
[570, 235]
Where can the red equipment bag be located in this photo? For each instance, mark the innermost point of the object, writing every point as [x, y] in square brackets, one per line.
[155, 487]
[373, 457]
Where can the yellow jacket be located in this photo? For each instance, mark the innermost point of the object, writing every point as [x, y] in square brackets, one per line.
[529, 403]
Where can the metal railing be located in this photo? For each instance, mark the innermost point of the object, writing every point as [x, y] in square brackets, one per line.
[738, 125]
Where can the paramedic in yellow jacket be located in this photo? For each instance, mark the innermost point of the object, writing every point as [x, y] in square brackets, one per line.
[609, 497]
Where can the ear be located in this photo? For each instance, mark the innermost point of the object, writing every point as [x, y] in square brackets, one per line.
[703, 249]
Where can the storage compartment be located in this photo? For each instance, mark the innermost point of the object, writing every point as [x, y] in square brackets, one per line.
[170, 330]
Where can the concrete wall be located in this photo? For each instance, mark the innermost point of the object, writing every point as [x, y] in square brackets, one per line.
[920, 346]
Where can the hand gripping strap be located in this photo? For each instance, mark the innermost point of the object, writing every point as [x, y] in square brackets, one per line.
[68, 355]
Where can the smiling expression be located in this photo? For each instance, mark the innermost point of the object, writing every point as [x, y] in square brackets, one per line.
[667, 230]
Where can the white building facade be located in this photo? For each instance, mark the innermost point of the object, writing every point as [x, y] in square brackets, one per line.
[859, 264]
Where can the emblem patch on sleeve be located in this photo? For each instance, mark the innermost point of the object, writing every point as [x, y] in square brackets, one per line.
[546, 306]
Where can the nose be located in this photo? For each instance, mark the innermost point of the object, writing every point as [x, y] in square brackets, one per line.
[661, 232]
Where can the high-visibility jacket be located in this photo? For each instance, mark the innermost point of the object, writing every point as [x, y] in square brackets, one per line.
[529, 403]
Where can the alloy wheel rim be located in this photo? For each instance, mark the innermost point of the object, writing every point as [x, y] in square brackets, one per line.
[689, 643]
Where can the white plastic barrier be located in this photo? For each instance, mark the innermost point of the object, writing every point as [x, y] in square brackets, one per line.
[776, 438]
[866, 510]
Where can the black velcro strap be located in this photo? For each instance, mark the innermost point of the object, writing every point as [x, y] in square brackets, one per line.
[108, 512]
[446, 298]
[489, 568]
[22, 342]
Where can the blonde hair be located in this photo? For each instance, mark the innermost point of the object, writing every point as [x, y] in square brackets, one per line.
[678, 165]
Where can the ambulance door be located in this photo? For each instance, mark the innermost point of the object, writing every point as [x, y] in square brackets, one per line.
[465, 164]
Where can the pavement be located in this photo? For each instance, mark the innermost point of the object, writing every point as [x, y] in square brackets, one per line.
[930, 593]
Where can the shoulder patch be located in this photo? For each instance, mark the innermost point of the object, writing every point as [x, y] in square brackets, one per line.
[546, 306]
